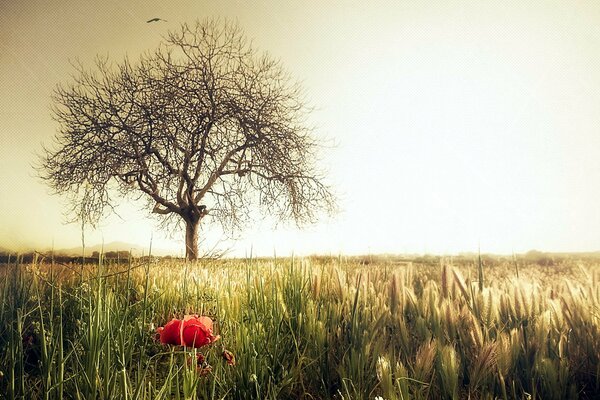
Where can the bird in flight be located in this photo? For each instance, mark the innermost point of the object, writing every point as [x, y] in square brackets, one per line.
[156, 20]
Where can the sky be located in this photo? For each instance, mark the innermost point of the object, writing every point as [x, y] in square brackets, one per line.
[447, 125]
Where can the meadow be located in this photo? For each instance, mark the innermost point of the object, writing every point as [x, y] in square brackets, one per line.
[313, 328]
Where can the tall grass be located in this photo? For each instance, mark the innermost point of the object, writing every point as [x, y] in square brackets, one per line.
[309, 328]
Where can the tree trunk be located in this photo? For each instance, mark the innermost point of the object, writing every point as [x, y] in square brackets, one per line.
[191, 239]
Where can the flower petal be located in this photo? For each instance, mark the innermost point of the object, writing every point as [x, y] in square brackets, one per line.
[171, 332]
[195, 335]
[197, 331]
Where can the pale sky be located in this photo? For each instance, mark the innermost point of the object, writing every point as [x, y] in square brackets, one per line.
[454, 123]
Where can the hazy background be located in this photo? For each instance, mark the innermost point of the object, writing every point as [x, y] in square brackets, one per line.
[454, 122]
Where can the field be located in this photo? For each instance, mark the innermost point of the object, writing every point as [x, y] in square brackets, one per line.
[315, 328]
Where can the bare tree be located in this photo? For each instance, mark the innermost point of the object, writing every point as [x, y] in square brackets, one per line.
[203, 127]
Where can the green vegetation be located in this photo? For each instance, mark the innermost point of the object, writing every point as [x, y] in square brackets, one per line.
[311, 328]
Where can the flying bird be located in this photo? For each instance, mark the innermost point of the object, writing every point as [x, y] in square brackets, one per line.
[156, 20]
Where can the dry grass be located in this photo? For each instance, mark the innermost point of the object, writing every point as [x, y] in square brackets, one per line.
[310, 328]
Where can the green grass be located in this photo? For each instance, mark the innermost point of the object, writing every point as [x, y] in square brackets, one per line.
[315, 328]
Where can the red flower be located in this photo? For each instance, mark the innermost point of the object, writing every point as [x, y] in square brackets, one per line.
[199, 361]
[203, 371]
[197, 331]
[202, 367]
[192, 331]
[229, 357]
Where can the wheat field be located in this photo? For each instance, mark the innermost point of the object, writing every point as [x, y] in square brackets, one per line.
[312, 328]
